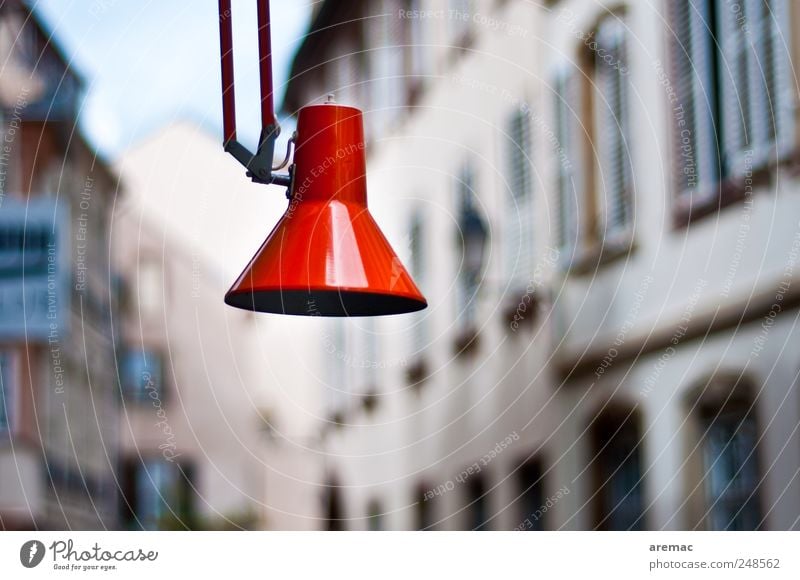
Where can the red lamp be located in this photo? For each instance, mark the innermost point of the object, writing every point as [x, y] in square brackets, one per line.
[326, 256]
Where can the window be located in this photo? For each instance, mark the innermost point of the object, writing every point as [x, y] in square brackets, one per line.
[477, 508]
[142, 378]
[610, 101]
[335, 521]
[418, 271]
[424, 508]
[570, 179]
[532, 501]
[347, 72]
[375, 516]
[459, 17]
[595, 183]
[417, 58]
[731, 467]
[617, 469]
[386, 39]
[151, 288]
[8, 390]
[158, 495]
[342, 369]
[519, 176]
[472, 237]
[733, 101]
[367, 367]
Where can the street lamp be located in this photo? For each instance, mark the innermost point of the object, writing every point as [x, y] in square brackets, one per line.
[326, 256]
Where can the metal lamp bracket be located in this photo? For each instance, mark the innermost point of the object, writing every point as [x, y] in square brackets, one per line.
[259, 165]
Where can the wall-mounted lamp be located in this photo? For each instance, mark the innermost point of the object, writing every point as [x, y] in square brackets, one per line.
[326, 256]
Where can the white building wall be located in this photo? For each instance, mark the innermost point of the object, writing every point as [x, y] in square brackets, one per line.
[515, 382]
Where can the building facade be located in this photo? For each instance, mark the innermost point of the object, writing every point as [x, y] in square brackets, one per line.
[58, 441]
[192, 434]
[601, 202]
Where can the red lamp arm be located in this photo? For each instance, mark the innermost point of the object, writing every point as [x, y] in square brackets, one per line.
[265, 62]
[226, 59]
[259, 165]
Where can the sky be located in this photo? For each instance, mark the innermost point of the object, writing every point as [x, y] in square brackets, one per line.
[149, 63]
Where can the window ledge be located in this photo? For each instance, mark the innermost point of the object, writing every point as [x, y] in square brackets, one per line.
[731, 190]
[521, 311]
[417, 373]
[466, 343]
[602, 253]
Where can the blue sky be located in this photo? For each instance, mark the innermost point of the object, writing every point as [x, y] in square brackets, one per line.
[149, 63]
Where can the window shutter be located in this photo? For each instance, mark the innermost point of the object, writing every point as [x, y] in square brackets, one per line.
[757, 96]
[395, 49]
[385, 36]
[347, 73]
[735, 97]
[778, 75]
[337, 389]
[471, 263]
[571, 182]
[705, 152]
[367, 367]
[417, 36]
[419, 271]
[758, 67]
[459, 15]
[611, 117]
[692, 49]
[681, 74]
[519, 224]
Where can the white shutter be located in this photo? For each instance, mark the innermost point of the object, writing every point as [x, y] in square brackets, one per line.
[681, 75]
[756, 41]
[418, 53]
[735, 98]
[334, 348]
[519, 213]
[370, 355]
[611, 129]
[778, 75]
[395, 58]
[571, 174]
[693, 117]
[419, 271]
[347, 73]
[382, 31]
[755, 70]
[459, 17]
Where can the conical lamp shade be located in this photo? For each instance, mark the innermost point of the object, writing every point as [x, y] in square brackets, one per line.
[327, 256]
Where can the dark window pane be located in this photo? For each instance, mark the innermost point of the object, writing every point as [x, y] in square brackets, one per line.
[532, 500]
[619, 474]
[731, 471]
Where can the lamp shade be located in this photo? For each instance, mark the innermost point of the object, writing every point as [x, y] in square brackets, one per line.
[327, 256]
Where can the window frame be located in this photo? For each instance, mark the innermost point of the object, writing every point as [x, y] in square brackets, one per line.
[712, 397]
[609, 423]
[583, 239]
[136, 393]
[519, 242]
[10, 392]
[527, 490]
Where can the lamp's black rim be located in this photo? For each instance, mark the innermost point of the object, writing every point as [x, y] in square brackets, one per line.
[324, 302]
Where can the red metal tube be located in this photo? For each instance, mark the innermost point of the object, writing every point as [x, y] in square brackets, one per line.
[265, 62]
[226, 60]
